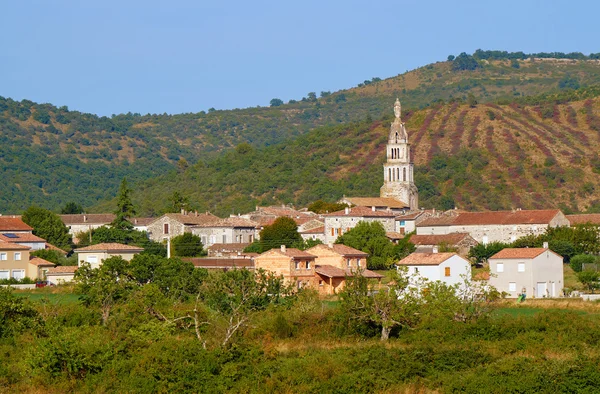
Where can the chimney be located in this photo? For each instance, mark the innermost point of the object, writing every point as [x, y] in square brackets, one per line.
[182, 211]
[545, 245]
[433, 211]
[282, 248]
[84, 218]
[373, 208]
[435, 249]
[346, 210]
[196, 212]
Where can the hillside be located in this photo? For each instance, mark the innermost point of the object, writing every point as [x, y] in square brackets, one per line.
[52, 155]
[484, 157]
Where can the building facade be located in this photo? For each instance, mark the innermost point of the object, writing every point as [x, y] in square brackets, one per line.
[340, 222]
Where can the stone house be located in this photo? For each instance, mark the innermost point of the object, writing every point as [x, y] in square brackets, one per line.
[13, 224]
[461, 241]
[81, 223]
[591, 218]
[141, 224]
[407, 222]
[498, 226]
[95, 254]
[449, 268]
[377, 203]
[334, 263]
[296, 266]
[171, 225]
[226, 250]
[313, 234]
[221, 263]
[226, 231]
[537, 272]
[337, 223]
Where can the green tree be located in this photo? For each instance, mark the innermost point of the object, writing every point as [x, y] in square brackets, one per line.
[178, 202]
[578, 261]
[17, 315]
[283, 231]
[71, 208]
[370, 238]
[106, 286]
[276, 102]
[47, 225]
[482, 252]
[471, 100]
[464, 62]
[589, 279]
[125, 209]
[187, 245]
[321, 206]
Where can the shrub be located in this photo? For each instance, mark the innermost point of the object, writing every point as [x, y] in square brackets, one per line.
[579, 260]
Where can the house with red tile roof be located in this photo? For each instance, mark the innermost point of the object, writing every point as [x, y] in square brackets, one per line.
[336, 262]
[296, 266]
[95, 254]
[171, 225]
[537, 272]
[226, 231]
[61, 274]
[449, 268]
[337, 223]
[13, 224]
[591, 218]
[492, 226]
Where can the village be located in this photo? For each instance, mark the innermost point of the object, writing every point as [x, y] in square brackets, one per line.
[442, 239]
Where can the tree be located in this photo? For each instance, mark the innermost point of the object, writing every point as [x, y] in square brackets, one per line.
[312, 96]
[589, 279]
[125, 208]
[398, 305]
[187, 245]
[283, 231]
[105, 286]
[321, 206]
[129, 237]
[579, 261]
[370, 238]
[71, 208]
[471, 100]
[47, 225]
[276, 102]
[482, 252]
[464, 62]
[451, 58]
[178, 202]
[16, 314]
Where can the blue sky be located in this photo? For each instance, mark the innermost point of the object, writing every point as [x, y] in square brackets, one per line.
[108, 57]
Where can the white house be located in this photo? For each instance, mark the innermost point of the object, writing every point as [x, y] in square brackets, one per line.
[449, 268]
[340, 222]
[96, 254]
[537, 272]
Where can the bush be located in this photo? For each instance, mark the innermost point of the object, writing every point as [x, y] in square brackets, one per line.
[579, 260]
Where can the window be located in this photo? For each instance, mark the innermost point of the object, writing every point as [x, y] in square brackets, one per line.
[297, 265]
[4, 274]
[166, 228]
[250, 238]
[403, 222]
[3, 256]
[18, 274]
[348, 263]
[308, 265]
[358, 263]
[447, 271]
[17, 256]
[332, 231]
[92, 260]
[485, 240]
[512, 286]
[521, 267]
[320, 283]
[203, 238]
[224, 238]
[499, 267]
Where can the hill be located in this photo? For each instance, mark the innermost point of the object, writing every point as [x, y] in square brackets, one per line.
[52, 155]
[484, 156]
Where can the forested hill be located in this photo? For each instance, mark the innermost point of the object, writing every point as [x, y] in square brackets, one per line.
[51, 155]
[484, 156]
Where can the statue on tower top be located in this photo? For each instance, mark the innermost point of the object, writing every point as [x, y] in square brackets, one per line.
[397, 108]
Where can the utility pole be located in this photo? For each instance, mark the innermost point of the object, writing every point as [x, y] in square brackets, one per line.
[169, 247]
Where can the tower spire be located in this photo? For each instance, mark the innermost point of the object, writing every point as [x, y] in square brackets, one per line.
[397, 108]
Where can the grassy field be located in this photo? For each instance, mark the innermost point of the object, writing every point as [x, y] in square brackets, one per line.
[55, 295]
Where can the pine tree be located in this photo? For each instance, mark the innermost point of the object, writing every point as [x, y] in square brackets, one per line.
[125, 208]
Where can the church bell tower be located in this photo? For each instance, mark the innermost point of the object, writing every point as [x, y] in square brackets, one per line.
[398, 180]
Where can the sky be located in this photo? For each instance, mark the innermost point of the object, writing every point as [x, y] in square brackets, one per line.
[143, 56]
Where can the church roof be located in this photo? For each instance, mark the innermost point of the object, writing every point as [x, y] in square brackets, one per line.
[364, 212]
[489, 218]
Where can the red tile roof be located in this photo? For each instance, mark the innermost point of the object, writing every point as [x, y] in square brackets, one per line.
[334, 272]
[519, 253]
[489, 218]
[340, 249]
[316, 230]
[52, 247]
[362, 212]
[292, 252]
[229, 222]
[191, 218]
[110, 247]
[394, 235]
[235, 247]
[593, 218]
[21, 237]
[12, 246]
[62, 269]
[141, 221]
[40, 262]
[220, 263]
[376, 202]
[425, 258]
[8, 224]
[451, 239]
[88, 218]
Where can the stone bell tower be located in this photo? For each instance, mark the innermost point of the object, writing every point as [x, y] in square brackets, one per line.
[398, 180]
